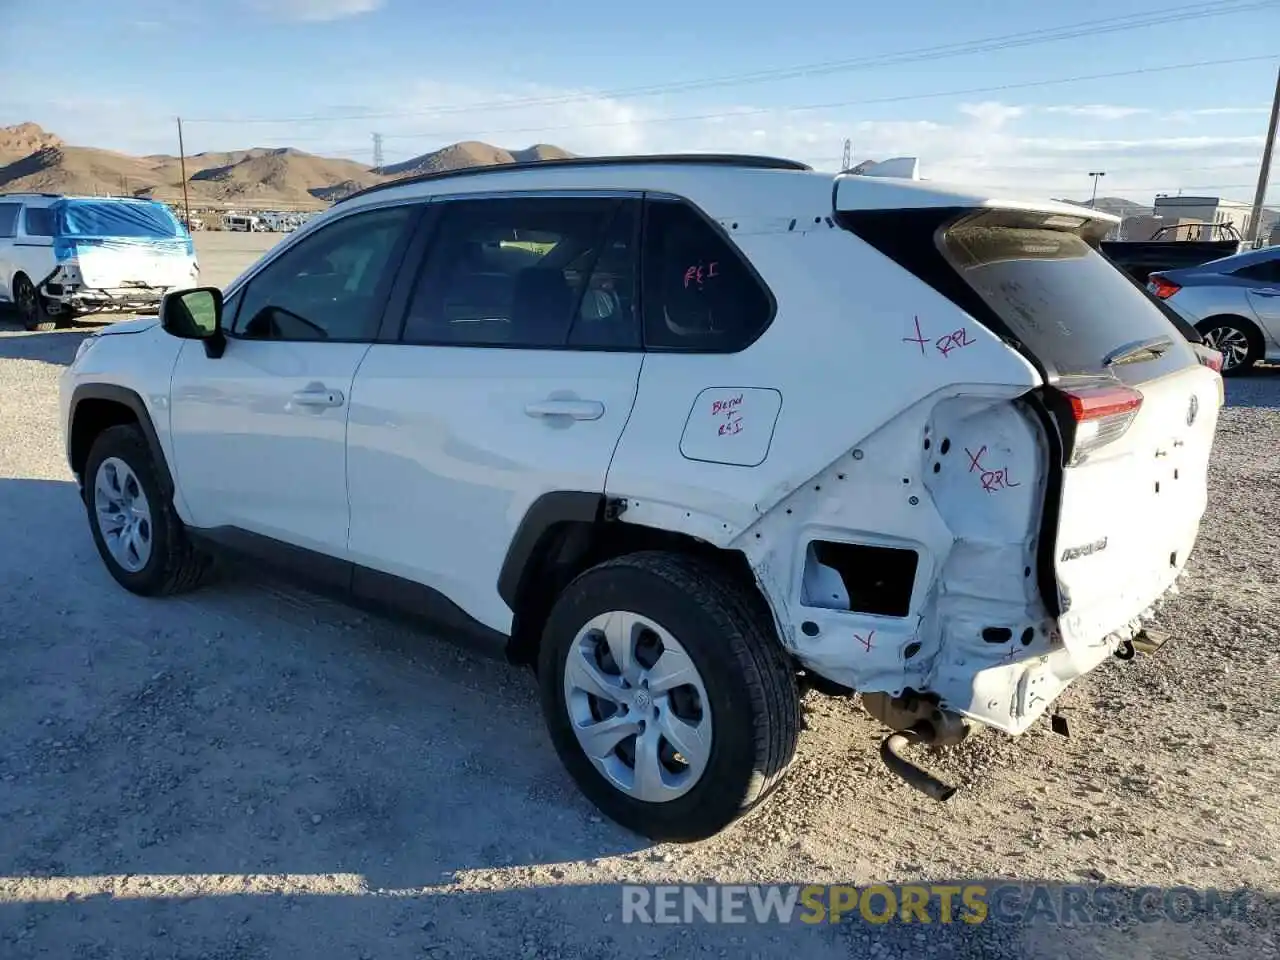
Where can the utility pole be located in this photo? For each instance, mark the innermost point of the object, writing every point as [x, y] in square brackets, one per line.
[847, 160]
[1093, 201]
[182, 163]
[377, 153]
[1264, 174]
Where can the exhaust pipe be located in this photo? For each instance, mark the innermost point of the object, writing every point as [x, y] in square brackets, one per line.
[891, 753]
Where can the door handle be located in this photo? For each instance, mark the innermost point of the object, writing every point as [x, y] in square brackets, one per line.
[1266, 293]
[319, 398]
[573, 409]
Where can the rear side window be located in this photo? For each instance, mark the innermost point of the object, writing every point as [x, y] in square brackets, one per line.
[535, 272]
[38, 222]
[8, 219]
[1065, 302]
[699, 292]
[1268, 271]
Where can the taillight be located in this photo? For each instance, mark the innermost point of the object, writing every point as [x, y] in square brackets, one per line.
[1162, 288]
[1101, 414]
[1208, 357]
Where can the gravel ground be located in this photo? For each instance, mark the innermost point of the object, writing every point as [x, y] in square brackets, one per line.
[250, 771]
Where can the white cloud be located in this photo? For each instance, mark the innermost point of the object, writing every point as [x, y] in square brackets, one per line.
[991, 114]
[315, 10]
[1097, 111]
[989, 143]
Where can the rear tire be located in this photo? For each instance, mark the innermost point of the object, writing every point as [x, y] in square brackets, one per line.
[137, 532]
[713, 633]
[1236, 339]
[30, 306]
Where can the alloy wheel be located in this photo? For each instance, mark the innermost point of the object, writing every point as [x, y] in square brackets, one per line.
[638, 706]
[1233, 344]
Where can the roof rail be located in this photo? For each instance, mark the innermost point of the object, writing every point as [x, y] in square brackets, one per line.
[748, 161]
[30, 193]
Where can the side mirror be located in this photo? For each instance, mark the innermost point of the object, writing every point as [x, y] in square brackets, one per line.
[195, 315]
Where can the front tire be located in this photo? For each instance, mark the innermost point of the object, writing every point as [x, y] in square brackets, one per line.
[30, 305]
[137, 532]
[667, 695]
[1239, 344]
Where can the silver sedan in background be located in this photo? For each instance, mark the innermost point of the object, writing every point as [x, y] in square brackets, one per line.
[1234, 303]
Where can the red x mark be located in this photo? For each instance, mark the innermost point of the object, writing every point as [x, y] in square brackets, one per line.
[918, 338]
[865, 641]
[975, 459]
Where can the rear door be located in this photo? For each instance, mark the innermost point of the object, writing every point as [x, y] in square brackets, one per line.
[1134, 408]
[514, 378]
[1264, 296]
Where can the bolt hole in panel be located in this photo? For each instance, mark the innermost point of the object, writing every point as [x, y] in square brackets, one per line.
[731, 425]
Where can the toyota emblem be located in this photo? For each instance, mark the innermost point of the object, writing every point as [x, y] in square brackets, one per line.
[1192, 410]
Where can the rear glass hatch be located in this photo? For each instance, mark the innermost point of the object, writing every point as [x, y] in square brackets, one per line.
[1129, 405]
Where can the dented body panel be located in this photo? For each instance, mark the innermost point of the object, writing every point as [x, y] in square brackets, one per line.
[904, 425]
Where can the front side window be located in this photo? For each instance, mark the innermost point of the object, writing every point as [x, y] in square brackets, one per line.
[538, 273]
[8, 220]
[699, 292]
[328, 286]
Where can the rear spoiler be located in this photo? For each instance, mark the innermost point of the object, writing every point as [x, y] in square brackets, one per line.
[864, 187]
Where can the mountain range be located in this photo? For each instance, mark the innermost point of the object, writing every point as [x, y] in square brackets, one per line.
[35, 160]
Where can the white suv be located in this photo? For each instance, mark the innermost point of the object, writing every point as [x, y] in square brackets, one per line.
[678, 430]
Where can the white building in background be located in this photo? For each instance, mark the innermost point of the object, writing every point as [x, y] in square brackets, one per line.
[1207, 210]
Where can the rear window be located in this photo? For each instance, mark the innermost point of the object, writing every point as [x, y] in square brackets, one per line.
[142, 221]
[38, 221]
[1066, 303]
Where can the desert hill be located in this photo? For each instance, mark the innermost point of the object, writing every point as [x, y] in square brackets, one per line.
[32, 159]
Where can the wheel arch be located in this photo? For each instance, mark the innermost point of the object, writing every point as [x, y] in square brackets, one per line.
[97, 406]
[565, 533]
[1250, 327]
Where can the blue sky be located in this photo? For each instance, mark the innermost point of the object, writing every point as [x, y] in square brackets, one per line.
[426, 74]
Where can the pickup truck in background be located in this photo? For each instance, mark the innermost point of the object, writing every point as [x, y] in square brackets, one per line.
[1140, 258]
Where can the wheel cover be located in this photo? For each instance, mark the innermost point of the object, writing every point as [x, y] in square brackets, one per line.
[1233, 344]
[123, 514]
[638, 706]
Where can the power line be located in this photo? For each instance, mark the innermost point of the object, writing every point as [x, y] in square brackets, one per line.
[900, 98]
[966, 48]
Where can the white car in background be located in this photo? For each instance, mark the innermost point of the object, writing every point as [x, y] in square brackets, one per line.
[677, 430]
[63, 256]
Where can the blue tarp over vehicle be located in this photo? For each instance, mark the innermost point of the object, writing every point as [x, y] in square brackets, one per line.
[122, 219]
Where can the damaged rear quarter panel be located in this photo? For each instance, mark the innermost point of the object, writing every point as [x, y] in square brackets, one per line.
[869, 362]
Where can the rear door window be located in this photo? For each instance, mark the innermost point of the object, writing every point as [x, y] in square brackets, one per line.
[1267, 271]
[1063, 300]
[532, 272]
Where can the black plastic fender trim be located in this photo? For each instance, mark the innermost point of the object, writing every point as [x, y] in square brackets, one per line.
[130, 399]
[559, 506]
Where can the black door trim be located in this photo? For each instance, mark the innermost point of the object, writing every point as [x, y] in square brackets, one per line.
[356, 585]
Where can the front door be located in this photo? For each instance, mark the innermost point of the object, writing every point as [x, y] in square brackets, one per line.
[515, 377]
[259, 433]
